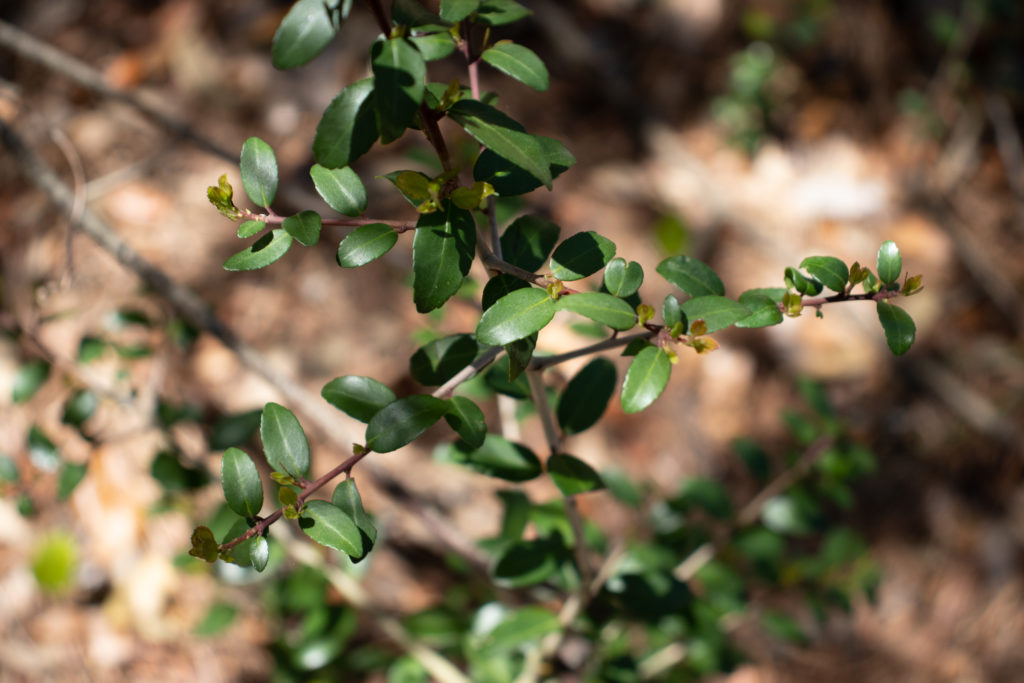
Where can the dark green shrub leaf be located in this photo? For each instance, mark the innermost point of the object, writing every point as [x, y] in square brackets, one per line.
[304, 32]
[804, 285]
[515, 316]
[247, 229]
[500, 379]
[174, 476]
[341, 188]
[519, 628]
[498, 286]
[600, 307]
[437, 362]
[717, 312]
[516, 514]
[71, 474]
[573, 476]
[509, 180]
[304, 226]
[347, 499]
[365, 244]
[504, 136]
[330, 526]
[359, 397]
[528, 563]
[79, 407]
[90, 348]
[671, 312]
[694, 277]
[457, 10]
[442, 253]
[259, 172]
[398, 75]
[646, 378]
[262, 252]
[890, 265]
[284, 442]
[763, 305]
[898, 326]
[586, 396]
[240, 480]
[434, 46]
[528, 242]
[521, 63]
[30, 377]
[466, 418]
[707, 494]
[500, 12]
[234, 430]
[412, 13]
[520, 353]
[581, 255]
[401, 421]
[348, 127]
[622, 279]
[498, 457]
[829, 270]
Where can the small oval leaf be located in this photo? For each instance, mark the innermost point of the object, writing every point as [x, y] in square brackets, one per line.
[898, 326]
[497, 457]
[764, 310]
[515, 316]
[240, 480]
[359, 397]
[259, 172]
[346, 498]
[304, 227]
[646, 378]
[284, 442]
[341, 188]
[581, 255]
[438, 361]
[303, 34]
[694, 277]
[890, 264]
[528, 241]
[829, 270]
[600, 307]
[365, 244]
[586, 396]
[401, 421]
[466, 418]
[262, 252]
[573, 476]
[348, 128]
[330, 526]
[623, 279]
[519, 62]
[717, 312]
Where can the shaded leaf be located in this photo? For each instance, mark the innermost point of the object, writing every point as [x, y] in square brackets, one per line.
[304, 227]
[498, 286]
[717, 312]
[71, 474]
[515, 316]
[30, 377]
[359, 397]
[671, 312]
[330, 526]
[42, 452]
[804, 285]
[528, 563]
[898, 326]
[519, 628]
[262, 252]
[829, 270]
[573, 476]
[247, 229]
[348, 127]
[502, 135]
[79, 407]
[646, 378]
[586, 396]
[259, 172]
[204, 545]
[341, 188]
[498, 379]
[284, 442]
[519, 62]
[528, 241]
[401, 421]
[508, 179]
[500, 12]
[303, 34]
[234, 430]
[219, 616]
[241, 483]
[466, 418]
[365, 244]
[434, 46]
[347, 499]
[497, 457]
[694, 277]
[599, 307]
[398, 76]
[442, 253]
[581, 255]
[457, 10]
[437, 362]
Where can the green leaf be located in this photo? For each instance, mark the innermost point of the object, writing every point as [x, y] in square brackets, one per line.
[586, 396]
[671, 312]
[304, 227]
[519, 628]
[890, 265]
[504, 136]
[437, 362]
[521, 63]
[401, 421]
[717, 312]
[500, 12]
[284, 442]
[434, 46]
[259, 172]
[528, 563]
[347, 499]
[365, 244]
[764, 310]
[508, 179]
[262, 252]
[247, 229]
[515, 316]
[645, 379]
[573, 476]
[501, 379]
[30, 377]
[71, 474]
[218, 617]
[442, 253]
[599, 307]
[498, 286]
[234, 430]
[176, 477]
[622, 279]
[240, 480]
[348, 127]
[204, 545]
[497, 457]
[42, 452]
[528, 242]
[694, 277]
[341, 188]
[411, 13]
[457, 10]
[804, 285]
[304, 33]
[398, 75]
[519, 354]
[90, 348]
[359, 397]
[466, 418]
[829, 270]
[330, 526]
[898, 326]
[581, 255]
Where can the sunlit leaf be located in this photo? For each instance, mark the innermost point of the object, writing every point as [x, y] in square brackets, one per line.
[259, 172]
[623, 279]
[442, 253]
[890, 264]
[515, 316]
[503, 136]
[284, 442]
[304, 33]
[365, 244]
[262, 252]
[519, 62]
[646, 378]
[717, 312]
[341, 188]
[829, 270]
[694, 277]
[329, 525]
[348, 127]
[600, 307]
[241, 483]
[359, 397]
[304, 227]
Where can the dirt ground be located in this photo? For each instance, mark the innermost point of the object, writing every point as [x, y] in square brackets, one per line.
[843, 164]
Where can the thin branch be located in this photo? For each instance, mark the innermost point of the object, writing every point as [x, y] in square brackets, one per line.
[468, 372]
[84, 75]
[66, 147]
[541, 362]
[399, 226]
